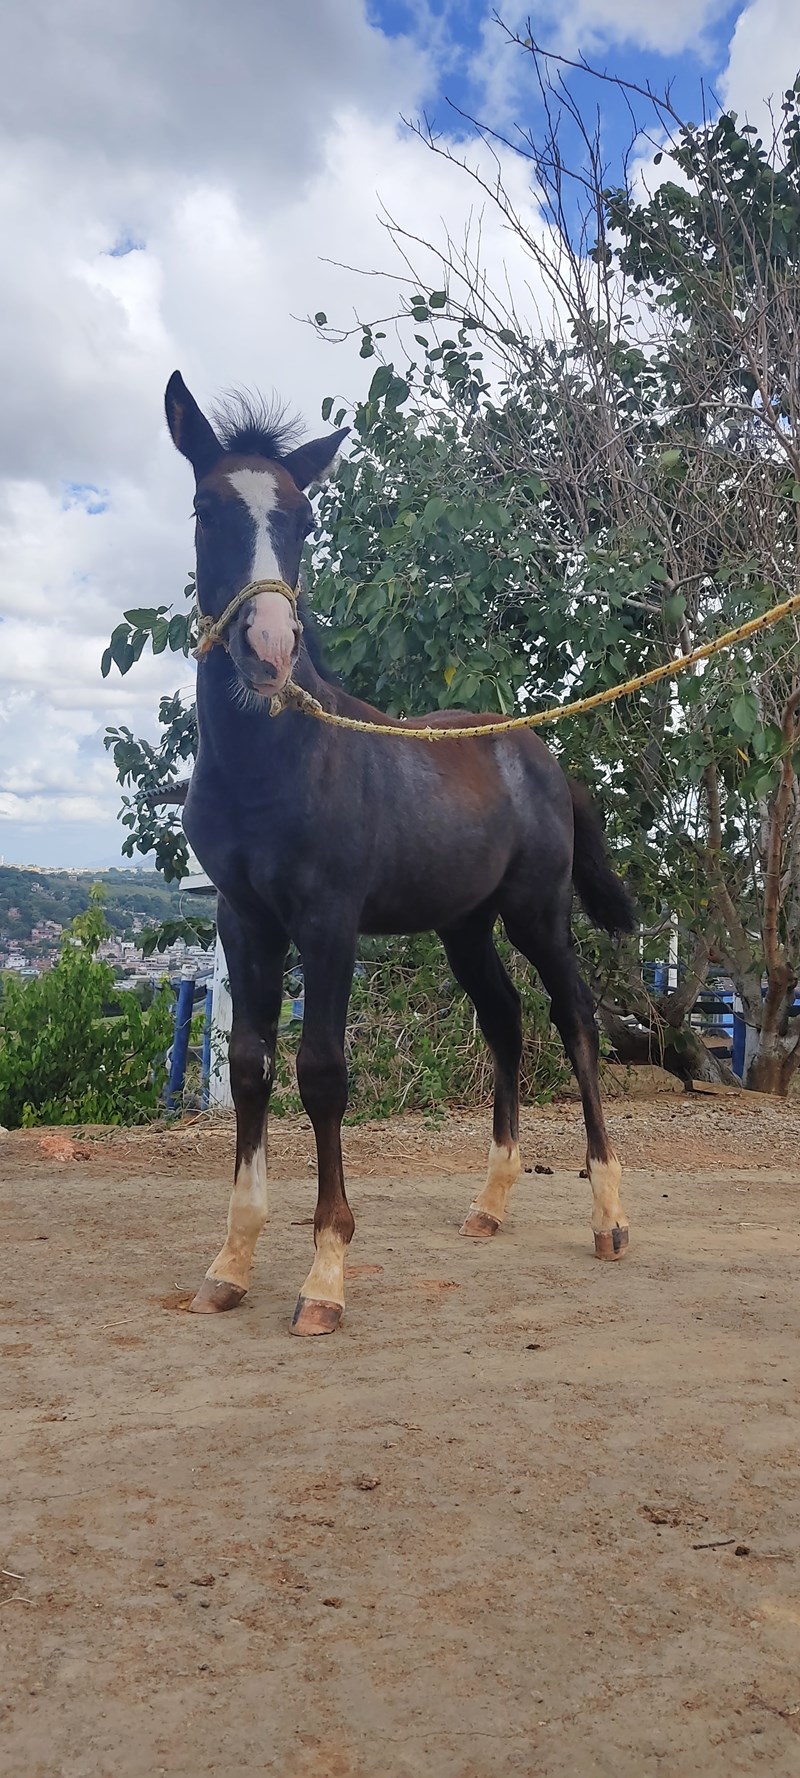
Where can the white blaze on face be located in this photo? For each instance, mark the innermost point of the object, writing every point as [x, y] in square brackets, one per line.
[271, 629]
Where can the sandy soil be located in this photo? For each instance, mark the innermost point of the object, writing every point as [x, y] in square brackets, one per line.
[525, 1514]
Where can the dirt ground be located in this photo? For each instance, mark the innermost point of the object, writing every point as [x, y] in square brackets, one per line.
[524, 1514]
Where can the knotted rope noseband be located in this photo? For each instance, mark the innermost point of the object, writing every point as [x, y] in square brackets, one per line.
[212, 629]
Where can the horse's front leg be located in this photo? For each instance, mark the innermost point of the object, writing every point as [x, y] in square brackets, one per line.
[328, 960]
[256, 958]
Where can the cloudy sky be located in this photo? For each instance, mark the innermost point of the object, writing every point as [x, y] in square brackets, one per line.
[175, 178]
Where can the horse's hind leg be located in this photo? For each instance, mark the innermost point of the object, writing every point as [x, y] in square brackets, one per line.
[477, 967]
[255, 960]
[550, 950]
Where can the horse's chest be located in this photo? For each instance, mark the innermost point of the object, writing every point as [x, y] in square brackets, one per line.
[232, 843]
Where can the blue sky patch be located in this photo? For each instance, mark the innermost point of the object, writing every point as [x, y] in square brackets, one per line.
[84, 494]
[464, 38]
[125, 244]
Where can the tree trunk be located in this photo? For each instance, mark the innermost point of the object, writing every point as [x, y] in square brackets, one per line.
[766, 1072]
[680, 1051]
[776, 1060]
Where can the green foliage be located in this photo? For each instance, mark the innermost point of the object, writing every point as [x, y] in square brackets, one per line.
[412, 1040]
[611, 503]
[736, 212]
[150, 771]
[159, 626]
[422, 564]
[63, 1059]
[523, 519]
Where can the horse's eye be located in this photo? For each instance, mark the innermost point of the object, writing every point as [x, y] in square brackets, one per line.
[204, 513]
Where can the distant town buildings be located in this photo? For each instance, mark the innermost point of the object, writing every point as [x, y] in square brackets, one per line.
[30, 944]
[35, 955]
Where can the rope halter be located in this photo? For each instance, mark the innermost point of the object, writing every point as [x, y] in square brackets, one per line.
[212, 629]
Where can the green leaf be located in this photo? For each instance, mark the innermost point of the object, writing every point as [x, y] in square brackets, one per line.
[144, 617]
[437, 299]
[435, 509]
[380, 382]
[397, 392]
[178, 632]
[744, 712]
[120, 649]
[321, 318]
[326, 407]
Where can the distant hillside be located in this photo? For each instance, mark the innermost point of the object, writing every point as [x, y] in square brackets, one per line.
[59, 895]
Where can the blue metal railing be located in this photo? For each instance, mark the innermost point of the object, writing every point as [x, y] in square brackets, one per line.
[716, 1009]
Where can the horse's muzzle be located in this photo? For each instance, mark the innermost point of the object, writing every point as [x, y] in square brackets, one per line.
[265, 645]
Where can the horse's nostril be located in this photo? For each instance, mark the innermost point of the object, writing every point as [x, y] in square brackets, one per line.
[266, 669]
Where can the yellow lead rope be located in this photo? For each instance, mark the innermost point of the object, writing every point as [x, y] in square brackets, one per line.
[293, 696]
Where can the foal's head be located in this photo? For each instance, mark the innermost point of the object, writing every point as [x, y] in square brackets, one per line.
[252, 520]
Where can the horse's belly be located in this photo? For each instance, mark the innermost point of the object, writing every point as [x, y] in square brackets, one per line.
[434, 892]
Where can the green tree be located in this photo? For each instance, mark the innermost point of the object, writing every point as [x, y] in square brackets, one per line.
[63, 1060]
[530, 514]
[658, 428]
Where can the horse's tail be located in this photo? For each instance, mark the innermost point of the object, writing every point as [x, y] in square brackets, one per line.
[602, 892]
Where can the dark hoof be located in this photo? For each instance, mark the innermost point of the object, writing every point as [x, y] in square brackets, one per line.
[610, 1243]
[480, 1226]
[215, 1295]
[312, 1317]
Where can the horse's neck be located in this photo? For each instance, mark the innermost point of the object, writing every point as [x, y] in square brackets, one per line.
[244, 742]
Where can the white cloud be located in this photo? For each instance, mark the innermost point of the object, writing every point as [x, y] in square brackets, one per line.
[151, 95]
[668, 29]
[764, 57]
[505, 76]
[236, 201]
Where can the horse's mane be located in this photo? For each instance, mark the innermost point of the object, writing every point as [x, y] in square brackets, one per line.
[313, 637]
[253, 427]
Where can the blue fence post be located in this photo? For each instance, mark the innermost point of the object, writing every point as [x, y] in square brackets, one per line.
[737, 1055]
[205, 1064]
[180, 1042]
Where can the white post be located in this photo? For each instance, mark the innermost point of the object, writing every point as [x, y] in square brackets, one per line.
[219, 1080]
[672, 961]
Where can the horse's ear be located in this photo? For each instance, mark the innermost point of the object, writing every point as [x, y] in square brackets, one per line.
[190, 429]
[311, 462]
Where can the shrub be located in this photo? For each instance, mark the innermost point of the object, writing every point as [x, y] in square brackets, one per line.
[413, 1042]
[63, 1060]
